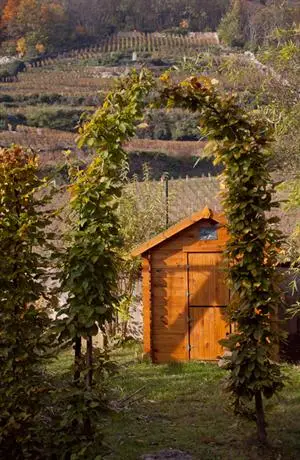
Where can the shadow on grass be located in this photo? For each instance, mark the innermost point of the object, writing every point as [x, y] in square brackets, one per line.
[174, 368]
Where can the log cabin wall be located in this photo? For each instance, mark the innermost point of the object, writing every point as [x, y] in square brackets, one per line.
[169, 308]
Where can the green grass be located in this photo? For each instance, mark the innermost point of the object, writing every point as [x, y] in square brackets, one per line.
[182, 406]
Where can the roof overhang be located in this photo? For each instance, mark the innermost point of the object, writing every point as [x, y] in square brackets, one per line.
[205, 214]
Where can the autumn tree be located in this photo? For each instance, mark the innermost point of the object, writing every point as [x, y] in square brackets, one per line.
[8, 18]
[37, 22]
[42, 23]
[24, 343]
[10, 11]
[253, 23]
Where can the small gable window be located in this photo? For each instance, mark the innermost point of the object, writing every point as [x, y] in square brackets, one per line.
[208, 233]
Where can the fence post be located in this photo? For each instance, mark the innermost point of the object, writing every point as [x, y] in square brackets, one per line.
[166, 177]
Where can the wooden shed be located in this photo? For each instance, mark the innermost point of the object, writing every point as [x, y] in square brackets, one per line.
[184, 293]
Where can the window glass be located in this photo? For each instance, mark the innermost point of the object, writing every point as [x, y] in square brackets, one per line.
[208, 233]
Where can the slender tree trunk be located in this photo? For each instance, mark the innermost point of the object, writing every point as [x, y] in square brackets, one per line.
[124, 332]
[77, 348]
[89, 362]
[260, 418]
[105, 339]
[87, 426]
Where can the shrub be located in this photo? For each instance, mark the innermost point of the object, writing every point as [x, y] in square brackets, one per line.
[24, 342]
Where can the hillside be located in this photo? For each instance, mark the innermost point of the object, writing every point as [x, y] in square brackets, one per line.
[65, 24]
[43, 103]
[74, 84]
[55, 94]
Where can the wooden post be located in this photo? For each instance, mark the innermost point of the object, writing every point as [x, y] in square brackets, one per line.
[260, 418]
[147, 305]
[187, 313]
[77, 349]
[167, 199]
[89, 362]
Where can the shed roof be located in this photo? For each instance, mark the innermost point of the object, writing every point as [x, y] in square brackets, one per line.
[205, 214]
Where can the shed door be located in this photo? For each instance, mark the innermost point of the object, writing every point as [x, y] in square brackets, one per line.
[208, 297]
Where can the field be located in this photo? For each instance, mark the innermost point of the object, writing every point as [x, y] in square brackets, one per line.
[182, 406]
[138, 42]
[54, 142]
[67, 79]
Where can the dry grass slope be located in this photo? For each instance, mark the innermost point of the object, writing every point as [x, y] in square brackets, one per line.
[51, 144]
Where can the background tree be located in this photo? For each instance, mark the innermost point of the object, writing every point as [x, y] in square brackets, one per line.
[252, 23]
[10, 11]
[293, 202]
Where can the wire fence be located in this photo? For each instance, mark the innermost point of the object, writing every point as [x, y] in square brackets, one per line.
[179, 198]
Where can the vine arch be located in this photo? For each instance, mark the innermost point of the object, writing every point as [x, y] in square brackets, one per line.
[241, 144]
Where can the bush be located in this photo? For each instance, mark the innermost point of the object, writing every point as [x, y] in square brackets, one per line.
[111, 59]
[12, 69]
[176, 31]
[62, 119]
[160, 163]
[174, 125]
[6, 98]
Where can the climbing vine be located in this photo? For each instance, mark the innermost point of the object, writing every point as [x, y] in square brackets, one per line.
[90, 264]
[242, 145]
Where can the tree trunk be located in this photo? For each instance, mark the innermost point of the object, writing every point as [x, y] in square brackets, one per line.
[260, 418]
[124, 330]
[77, 348]
[89, 362]
[105, 339]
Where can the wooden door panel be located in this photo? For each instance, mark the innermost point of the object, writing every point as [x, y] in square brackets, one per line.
[206, 280]
[207, 327]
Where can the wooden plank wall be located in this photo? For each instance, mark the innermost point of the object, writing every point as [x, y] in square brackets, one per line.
[146, 287]
[207, 280]
[169, 290]
[166, 329]
[168, 305]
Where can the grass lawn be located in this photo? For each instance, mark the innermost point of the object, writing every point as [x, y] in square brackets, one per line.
[182, 406]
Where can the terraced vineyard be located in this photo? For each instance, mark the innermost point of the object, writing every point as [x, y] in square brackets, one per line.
[193, 42]
[55, 96]
[125, 43]
[66, 79]
[135, 41]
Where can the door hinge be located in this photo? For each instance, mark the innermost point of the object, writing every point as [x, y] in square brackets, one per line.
[187, 293]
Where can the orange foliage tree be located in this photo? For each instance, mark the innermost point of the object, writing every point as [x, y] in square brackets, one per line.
[39, 22]
[10, 11]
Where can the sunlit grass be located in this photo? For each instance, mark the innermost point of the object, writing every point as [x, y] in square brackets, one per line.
[183, 406]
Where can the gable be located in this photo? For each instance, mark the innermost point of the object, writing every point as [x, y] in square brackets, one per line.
[184, 232]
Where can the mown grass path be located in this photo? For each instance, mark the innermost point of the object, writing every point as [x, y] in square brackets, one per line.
[182, 406]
